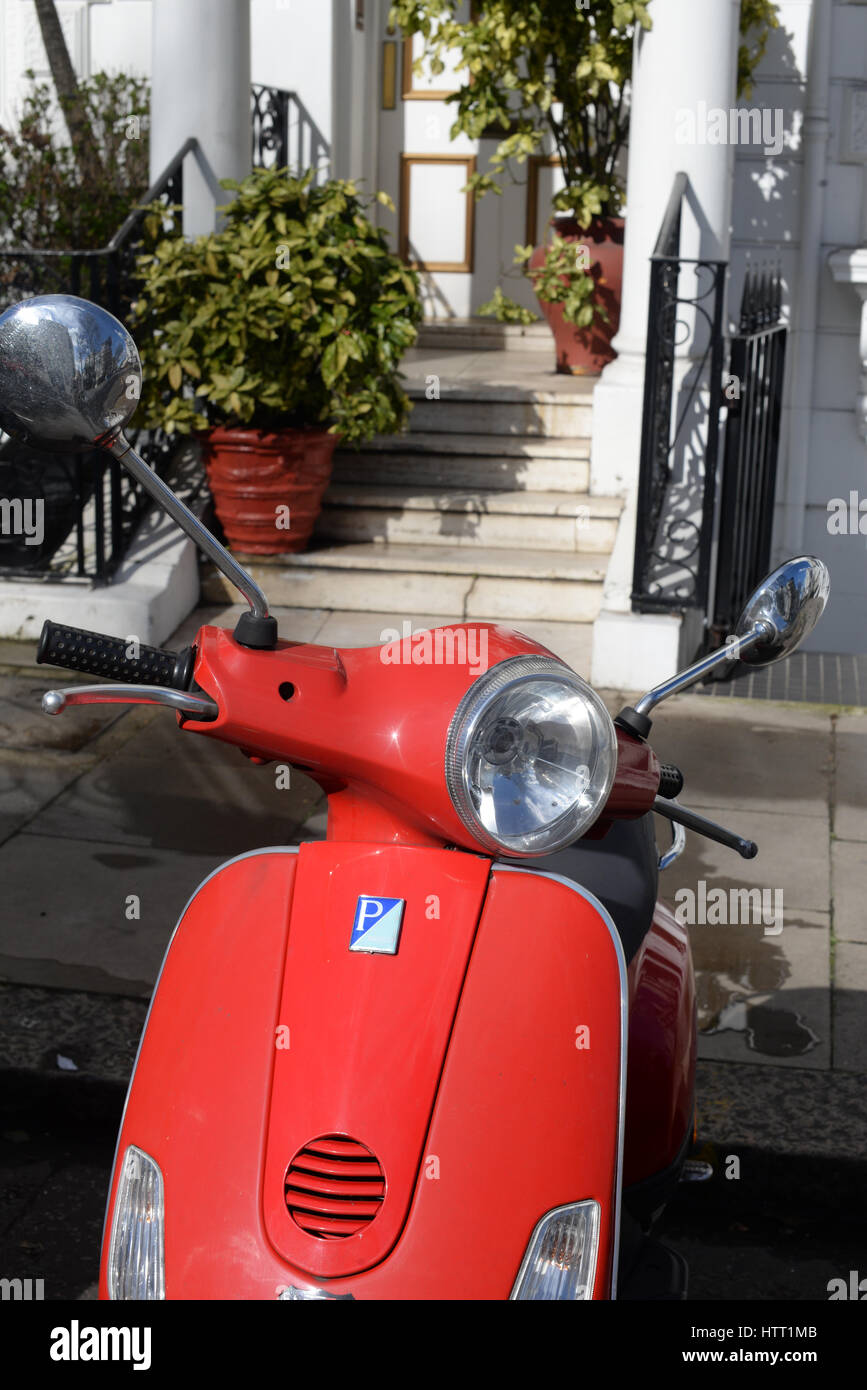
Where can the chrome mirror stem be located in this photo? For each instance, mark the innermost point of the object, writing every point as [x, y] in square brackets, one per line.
[123, 451]
[732, 651]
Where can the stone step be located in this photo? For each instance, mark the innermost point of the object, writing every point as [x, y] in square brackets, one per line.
[474, 582]
[485, 335]
[447, 406]
[467, 517]
[427, 459]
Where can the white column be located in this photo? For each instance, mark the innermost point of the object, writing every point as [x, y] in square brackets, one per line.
[355, 95]
[687, 63]
[201, 87]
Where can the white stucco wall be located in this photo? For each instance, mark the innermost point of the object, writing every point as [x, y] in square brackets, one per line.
[767, 209]
[290, 46]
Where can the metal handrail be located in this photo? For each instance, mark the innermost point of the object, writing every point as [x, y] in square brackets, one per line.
[668, 241]
[661, 536]
[190, 145]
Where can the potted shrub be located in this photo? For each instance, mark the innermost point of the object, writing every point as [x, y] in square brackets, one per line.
[544, 75]
[273, 339]
[554, 76]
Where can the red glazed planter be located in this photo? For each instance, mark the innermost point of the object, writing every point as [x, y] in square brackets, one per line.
[585, 351]
[252, 475]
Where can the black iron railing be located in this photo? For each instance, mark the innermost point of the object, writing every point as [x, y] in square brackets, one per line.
[105, 274]
[680, 425]
[753, 395]
[70, 515]
[285, 135]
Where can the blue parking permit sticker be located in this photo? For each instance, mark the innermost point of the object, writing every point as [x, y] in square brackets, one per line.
[377, 925]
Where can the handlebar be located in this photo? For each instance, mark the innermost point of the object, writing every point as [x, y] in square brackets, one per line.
[96, 655]
[670, 781]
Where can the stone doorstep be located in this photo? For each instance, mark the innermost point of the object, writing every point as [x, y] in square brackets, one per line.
[485, 335]
[505, 413]
[575, 391]
[487, 561]
[476, 582]
[524, 520]
[502, 446]
[468, 500]
[441, 469]
[490, 376]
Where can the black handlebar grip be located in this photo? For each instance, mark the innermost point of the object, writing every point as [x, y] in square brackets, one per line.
[96, 655]
[670, 781]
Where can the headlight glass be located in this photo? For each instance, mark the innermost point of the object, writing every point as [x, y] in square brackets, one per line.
[560, 1263]
[530, 757]
[136, 1257]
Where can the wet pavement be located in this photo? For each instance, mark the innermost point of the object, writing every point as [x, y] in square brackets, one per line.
[109, 819]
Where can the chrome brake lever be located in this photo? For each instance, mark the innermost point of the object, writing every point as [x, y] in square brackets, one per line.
[747, 849]
[55, 701]
[678, 844]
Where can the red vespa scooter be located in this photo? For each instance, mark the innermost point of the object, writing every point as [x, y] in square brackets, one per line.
[449, 1052]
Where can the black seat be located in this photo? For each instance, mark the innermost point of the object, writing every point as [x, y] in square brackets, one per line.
[621, 870]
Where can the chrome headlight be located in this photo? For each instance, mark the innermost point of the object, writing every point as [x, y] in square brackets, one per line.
[530, 757]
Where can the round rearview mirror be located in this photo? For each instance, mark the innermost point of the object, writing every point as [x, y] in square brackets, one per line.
[70, 375]
[789, 603]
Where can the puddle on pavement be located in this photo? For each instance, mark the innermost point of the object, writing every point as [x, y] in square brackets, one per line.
[771, 1031]
[738, 971]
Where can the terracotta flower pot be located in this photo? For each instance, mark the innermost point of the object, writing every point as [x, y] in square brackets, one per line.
[254, 477]
[585, 351]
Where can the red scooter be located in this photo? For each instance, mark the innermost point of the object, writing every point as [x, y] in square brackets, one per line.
[449, 1052]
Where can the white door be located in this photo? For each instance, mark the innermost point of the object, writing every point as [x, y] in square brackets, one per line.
[462, 248]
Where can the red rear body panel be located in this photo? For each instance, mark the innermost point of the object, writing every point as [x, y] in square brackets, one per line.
[662, 1042]
[481, 1065]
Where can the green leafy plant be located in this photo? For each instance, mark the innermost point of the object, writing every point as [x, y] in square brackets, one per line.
[564, 277]
[546, 73]
[553, 73]
[295, 313]
[46, 201]
[506, 310]
[758, 18]
[539, 70]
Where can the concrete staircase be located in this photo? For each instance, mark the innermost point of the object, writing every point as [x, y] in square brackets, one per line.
[480, 511]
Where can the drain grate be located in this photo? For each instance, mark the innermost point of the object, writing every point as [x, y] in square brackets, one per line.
[820, 678]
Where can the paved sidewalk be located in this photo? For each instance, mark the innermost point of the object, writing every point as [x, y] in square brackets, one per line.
[105, 814]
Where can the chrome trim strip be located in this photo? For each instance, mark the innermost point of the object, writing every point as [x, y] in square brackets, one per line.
[250, 854]
[624, 1035]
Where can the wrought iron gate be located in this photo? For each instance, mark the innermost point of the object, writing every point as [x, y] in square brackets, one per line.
[754, 397]
[703, 530]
